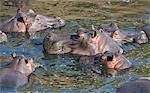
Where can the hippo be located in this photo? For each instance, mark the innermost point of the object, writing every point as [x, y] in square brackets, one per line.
[18, 23]
[16, 73]
[112, 61]
[3, 37]
[56, 44]
[129, 37]
[30, 22]
[43, 22]
[146, 29]
[92, 42]
[137, 86]
[123, 36]
[108, 61]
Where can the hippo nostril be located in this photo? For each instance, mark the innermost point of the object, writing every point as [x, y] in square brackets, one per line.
[26, 61]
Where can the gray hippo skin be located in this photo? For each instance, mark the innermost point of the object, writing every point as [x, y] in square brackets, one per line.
[40, 22]
[3, 37]
[129, 37]
[146, 29]
[56, 44]
[43, 22]
[137, 86]
[16, 73]
[92, 42]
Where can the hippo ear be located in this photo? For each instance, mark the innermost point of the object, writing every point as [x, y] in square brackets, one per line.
[94, 34]
[13, 55]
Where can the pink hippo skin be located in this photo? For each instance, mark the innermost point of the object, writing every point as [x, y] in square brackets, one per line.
[107, 60]
[17, 72]
[56, 44]
[92, 42]
[137, 86]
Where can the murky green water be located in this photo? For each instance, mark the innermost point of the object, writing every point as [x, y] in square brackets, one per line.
[64, 73]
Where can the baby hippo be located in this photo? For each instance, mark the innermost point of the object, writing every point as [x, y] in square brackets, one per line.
[92, 42]
[3, 37]
[56, 44]
[137, 86]
[16, 73]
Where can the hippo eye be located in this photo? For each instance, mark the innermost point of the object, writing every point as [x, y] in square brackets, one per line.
[26, 61]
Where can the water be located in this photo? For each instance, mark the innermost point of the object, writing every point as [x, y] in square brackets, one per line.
[64, 73]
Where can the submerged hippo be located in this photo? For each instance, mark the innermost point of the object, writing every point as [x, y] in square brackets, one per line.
[129, 37]
[3, 37]
[107, 63]
[56, 44]
[16, 73]
[112, 61]
[137, 86]
[123, 36]
[43, 22]
[92, 42]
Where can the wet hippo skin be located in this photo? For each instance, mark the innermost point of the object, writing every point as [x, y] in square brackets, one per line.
[137, 86]
[92, 42]
[16, 73]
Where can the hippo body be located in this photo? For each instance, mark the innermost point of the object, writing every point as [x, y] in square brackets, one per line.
[56, 44]
[137, 86]
[3, 37]
[16, 73]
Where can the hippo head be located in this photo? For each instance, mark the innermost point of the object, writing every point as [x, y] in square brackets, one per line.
[92, 42]
[81, 42]
[3, 37]
[112, 61]
[22, 64]
[44, 22]
[126, 37]
[55, 44]
[121, 38]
